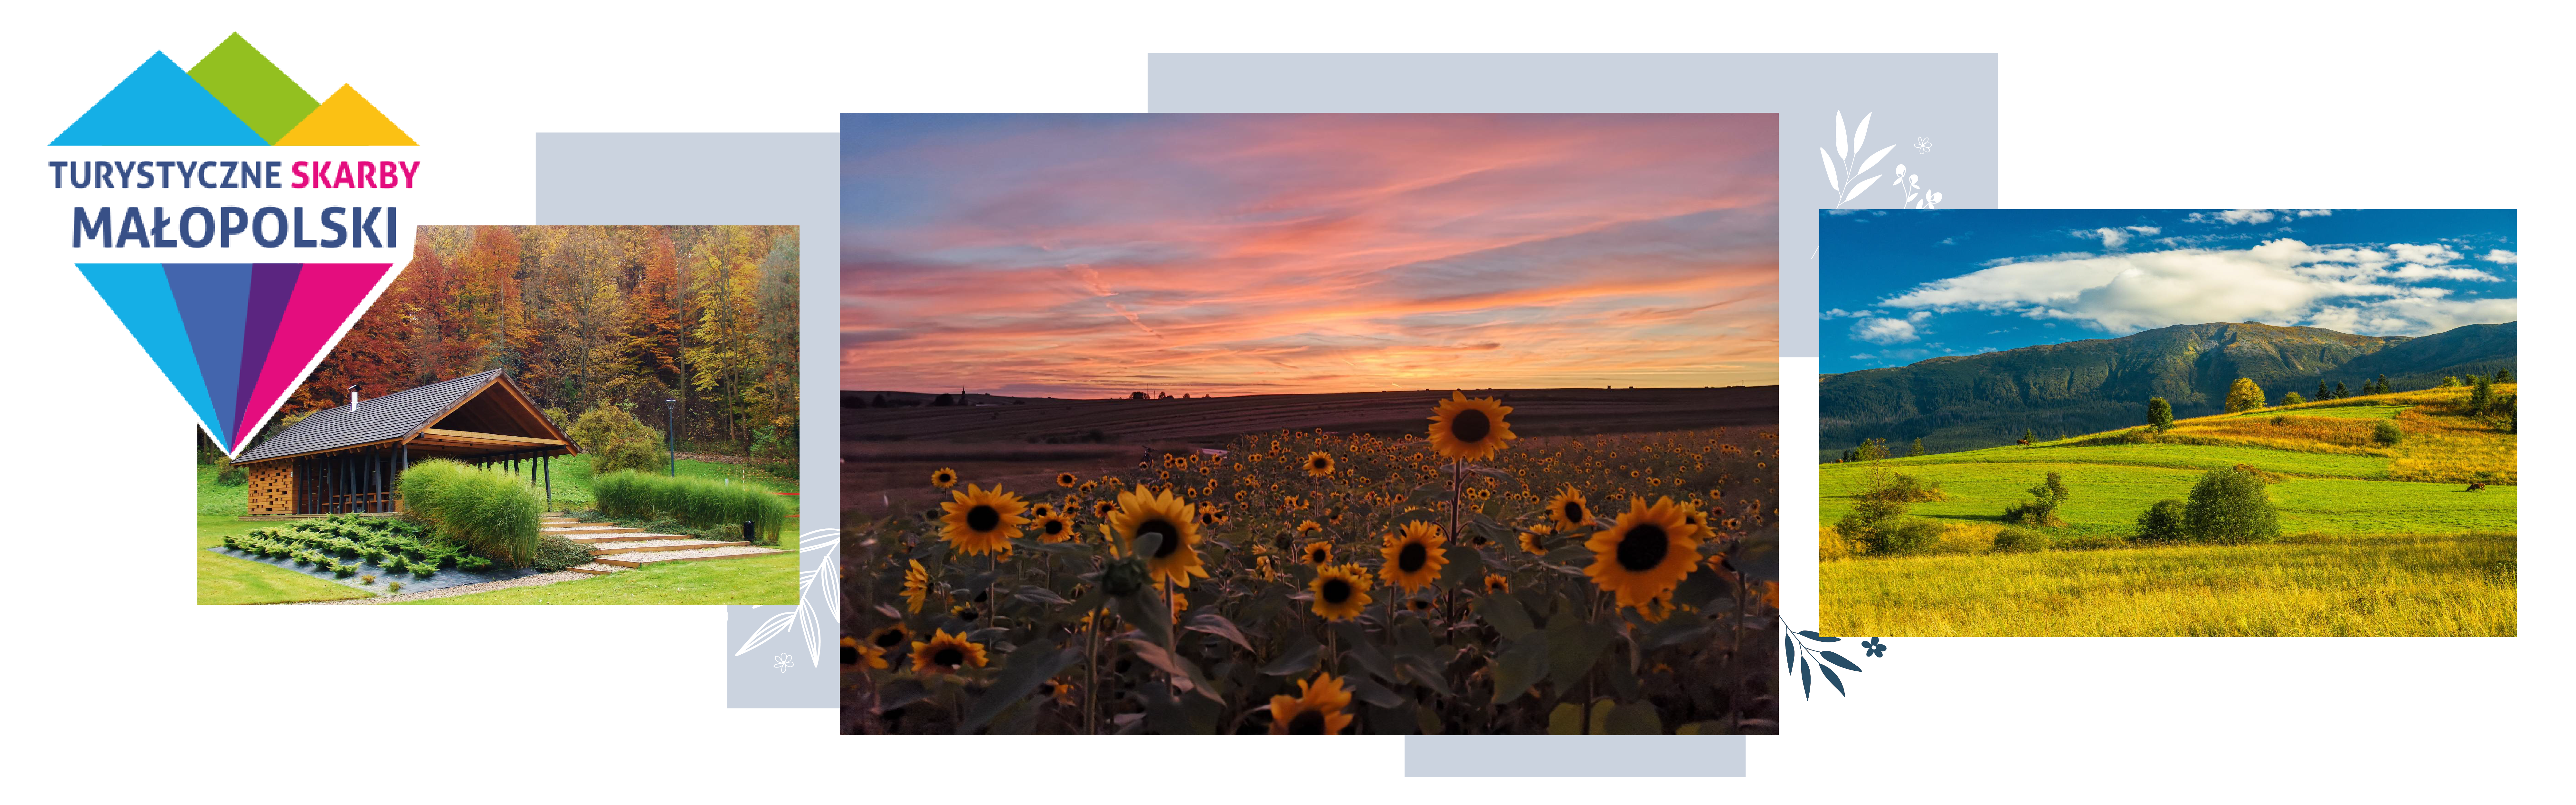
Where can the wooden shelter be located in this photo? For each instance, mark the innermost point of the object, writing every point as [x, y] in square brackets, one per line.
[349, 459]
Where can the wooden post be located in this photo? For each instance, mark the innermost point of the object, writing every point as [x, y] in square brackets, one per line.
[549, 464]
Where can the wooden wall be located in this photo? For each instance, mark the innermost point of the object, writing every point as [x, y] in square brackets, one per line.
[272, 487]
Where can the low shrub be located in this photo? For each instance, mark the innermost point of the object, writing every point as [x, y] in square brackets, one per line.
[2018, 540]
[2161, 522]
[424, 569]
[2230, 507]
[393, 586]
[2387, 433]
[1903, 488]
[492, 512]
[368, 579]
[2041, 509]
[555, 553]
[617, 441]
[472, 564]
[702, 502]
[228, 475]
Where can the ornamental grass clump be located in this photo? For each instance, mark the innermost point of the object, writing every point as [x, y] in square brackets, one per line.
[698, 502]
[491, 512]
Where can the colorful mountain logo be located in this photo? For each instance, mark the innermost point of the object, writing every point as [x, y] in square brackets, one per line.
[234, 96]
[236, 338]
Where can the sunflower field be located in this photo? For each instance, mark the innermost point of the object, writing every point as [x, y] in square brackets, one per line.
[1463, 581]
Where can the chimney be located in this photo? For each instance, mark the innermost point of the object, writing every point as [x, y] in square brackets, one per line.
[353, 395]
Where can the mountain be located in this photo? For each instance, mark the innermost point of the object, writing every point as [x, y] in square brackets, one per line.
[1973, 401]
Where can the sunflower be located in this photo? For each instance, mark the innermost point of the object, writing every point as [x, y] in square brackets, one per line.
[1413, 556]
[1064, 479]
[1319, 553]
[964, 612]
[1569, 510]
[1315, 710]
[916, 586]
[1054, 528]
[1309, 527]
[1771, 594]
[943, 477]
[946, 654]
[982, 521]
[1535, 539]
[1319, 464]
[890, 636]
[854, 652]
[1100, 509]
[1645, 553]
[1496, 583]
[1038, 510]
[1140, 512]
[1469, 430]
[1341, 591]
[1061, 692]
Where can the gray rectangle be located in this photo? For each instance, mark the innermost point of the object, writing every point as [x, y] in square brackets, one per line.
[1945, 98]
[745, 179]
[1574, 756]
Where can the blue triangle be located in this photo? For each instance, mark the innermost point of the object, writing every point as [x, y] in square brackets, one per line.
[158, 104]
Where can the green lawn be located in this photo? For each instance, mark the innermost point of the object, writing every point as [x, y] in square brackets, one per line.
[2183, 456]
[2380, 586]
[231, 580]
[2108, 497]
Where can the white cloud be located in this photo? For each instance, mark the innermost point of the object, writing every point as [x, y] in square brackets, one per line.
[2281, 281]
[2314, 213]
[2115, 237]
[1839, 313]
[2502, 257]
[1884, 331]
[2145, 230]
[2246, 216]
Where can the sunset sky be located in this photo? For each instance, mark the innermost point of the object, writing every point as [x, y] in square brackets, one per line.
[1094, 255]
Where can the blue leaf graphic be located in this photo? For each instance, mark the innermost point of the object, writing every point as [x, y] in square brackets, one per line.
[1837, 659]
[1813, 636]
[1838, 682]
[1805, 683]
[1789, 650]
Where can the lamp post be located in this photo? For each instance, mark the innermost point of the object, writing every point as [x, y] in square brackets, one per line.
[671, 432]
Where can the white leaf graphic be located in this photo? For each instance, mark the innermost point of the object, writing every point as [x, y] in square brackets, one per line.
[1842, 147]
[776, 623]
[1863, 134]
[1830, 177]
[1873, 158]
[1861, 185]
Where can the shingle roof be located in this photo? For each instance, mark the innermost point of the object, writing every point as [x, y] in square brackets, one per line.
[392, 416]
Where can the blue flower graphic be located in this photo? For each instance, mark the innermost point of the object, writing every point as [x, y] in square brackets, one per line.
[1875, 646]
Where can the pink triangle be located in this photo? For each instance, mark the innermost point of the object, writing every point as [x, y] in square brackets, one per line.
[328, 298]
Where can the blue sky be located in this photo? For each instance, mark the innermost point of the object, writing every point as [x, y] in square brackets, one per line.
[1900, 286]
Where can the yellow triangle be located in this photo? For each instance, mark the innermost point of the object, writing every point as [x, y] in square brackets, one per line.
[346, 119]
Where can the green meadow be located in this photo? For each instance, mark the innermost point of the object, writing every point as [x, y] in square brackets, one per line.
[2377, 539]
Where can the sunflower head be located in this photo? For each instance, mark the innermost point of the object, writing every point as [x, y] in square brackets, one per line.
[1534, 540]
[943, 477]
[1469, 429]
[1064, 479]
[1414, 556]
[1057, 689]
[1496, 584]
[1100, 509]
[1037, 510]
[946, 653]
[1317, 709]
[1175, 556]
[1309, 527]
[1318, 553]
[1054, 528]
[1319, 464]
[860, 654]
[1645, 553]
[982, 521]
[1341, 591]
[916, 586]
[1568, 510]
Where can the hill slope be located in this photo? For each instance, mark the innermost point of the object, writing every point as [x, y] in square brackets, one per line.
[1968, 402]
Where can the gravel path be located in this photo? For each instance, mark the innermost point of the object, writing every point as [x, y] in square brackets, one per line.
[463, 589]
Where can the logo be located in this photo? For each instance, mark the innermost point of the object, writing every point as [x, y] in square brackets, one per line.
[233, 96]
[236, 338]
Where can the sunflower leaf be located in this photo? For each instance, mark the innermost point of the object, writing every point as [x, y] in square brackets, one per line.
[1020, 676]
[1519, 666]
[1504, 613]
[1215, 624]
[1566, 719]
[1040, 596]
[1637, 718]
[1465, 567]
[1368, 658]
[1146, 611]
[1185, 674]
[1573, 645]
[1374, 694]
[1298, 660]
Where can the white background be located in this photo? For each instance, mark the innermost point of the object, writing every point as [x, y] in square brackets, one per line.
[118, 686]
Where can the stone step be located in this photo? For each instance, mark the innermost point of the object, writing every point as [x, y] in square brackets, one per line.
[588, 529]
[630, 535]
[595, 569]
[676, 544]
[642, 559]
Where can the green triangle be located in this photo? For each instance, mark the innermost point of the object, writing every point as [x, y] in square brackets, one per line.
[255, 90]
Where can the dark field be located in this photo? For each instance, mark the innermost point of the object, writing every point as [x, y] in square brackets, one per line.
[888, 453]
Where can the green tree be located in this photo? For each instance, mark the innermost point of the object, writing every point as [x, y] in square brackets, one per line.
[1872, 449]
[2481, 395]
[2387, 432]
[2339, 392]
[2292, 398]
[2162, 522]
[2041, 509]
[1916, 449]
[2230, 506]
[616, 440]
[2503, 376]
[2243, 395]
[2450, 382]
[2379, 385]
[2159, 413]
[2322, 393]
